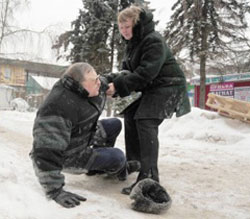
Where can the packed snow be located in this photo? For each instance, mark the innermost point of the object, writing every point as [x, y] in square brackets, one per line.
[203, 163]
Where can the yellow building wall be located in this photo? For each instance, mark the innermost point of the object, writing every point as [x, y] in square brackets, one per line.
[12, 75]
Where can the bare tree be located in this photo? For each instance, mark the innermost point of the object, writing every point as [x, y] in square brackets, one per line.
[17, 41]
[8, 8]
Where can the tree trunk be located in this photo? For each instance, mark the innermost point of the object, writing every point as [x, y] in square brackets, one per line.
[4, 17]
[112, 45]
[203, 55]
[109, 103]
[202, 82]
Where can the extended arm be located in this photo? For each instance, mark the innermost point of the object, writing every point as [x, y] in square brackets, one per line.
[51, 138]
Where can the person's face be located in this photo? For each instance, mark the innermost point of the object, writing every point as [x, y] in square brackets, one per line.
[126, 29]
[92, 83]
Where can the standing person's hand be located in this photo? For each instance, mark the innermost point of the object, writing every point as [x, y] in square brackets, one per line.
[111, 90]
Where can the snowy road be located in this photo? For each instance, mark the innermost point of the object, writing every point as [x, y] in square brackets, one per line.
[204, 165]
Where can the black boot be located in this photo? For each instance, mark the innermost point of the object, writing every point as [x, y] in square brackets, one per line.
[94, 172]
[142, 175]
[127, 190]
[131, 166]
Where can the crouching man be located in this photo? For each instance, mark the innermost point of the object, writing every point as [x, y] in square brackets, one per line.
[69, 137]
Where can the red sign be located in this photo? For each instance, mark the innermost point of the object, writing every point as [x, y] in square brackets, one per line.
[223, 89]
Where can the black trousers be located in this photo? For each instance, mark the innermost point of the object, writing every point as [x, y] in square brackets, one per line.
[141, 141]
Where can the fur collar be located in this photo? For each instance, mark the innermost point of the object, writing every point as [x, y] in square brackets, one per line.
[70, 84]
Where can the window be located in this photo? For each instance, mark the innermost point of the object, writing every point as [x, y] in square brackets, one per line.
[7, 73]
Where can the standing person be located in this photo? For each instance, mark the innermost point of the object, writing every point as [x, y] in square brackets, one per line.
[148, 67]
[69, 137]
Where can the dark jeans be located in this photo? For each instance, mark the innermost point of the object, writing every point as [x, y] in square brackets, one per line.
[108, 159]
[112, 128]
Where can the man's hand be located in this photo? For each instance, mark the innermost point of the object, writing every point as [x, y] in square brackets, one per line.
[68, 199]
[111, 90]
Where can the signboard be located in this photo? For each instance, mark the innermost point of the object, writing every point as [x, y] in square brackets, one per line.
[242, 93]
[223, 78]
[223, 89]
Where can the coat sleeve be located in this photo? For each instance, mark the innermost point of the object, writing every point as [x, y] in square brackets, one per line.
[110, 77]
[51, 137]
[153, 56]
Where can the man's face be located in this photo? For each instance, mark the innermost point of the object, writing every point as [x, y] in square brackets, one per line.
[126, 29]
[92, 83]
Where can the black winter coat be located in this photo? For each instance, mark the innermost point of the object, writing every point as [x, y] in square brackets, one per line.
[63, 129]
[152, 69]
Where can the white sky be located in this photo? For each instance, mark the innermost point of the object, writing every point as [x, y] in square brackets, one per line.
[50, 12]
[53, 12]
[56, 16]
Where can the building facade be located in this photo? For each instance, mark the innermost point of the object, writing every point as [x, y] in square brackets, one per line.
[235, 86]
[20, 76]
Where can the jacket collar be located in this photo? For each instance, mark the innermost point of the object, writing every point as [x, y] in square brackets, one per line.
[72, 85]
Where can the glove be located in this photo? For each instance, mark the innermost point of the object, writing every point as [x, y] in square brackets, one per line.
[110, 76]
[68, 199]
[105, 82]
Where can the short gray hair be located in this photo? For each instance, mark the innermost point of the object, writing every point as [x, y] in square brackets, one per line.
[78, 70]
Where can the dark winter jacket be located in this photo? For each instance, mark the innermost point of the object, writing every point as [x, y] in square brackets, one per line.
[152, 69]
[63, 128]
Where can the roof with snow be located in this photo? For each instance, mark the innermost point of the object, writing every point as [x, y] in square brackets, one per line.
[45, 82]
[4, 86]
[36, 67]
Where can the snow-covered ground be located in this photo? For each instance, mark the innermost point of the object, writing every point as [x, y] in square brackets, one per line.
[204, 164]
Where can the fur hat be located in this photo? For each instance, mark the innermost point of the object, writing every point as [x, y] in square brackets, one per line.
[150, 197]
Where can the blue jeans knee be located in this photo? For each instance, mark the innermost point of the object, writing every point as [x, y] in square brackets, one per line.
[109, 160]
[112, 127]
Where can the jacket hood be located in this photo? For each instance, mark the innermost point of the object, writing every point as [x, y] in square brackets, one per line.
[144, 26]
